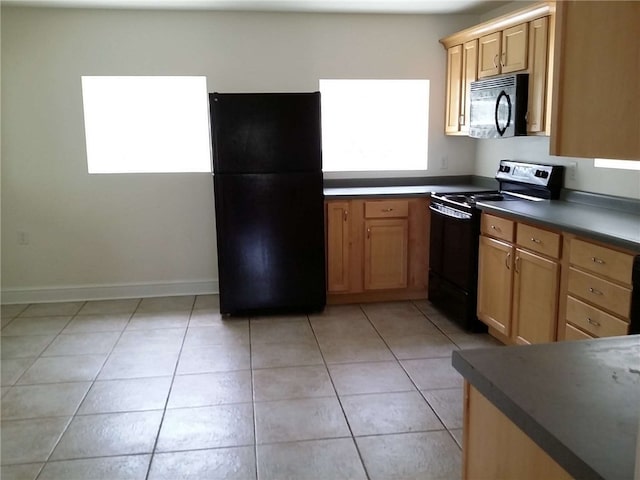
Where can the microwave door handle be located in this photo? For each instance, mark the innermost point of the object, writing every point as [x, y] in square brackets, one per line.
[509, 108]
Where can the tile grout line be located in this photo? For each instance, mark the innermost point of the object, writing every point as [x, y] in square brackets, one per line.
[344, 414]
[166, 402]
[73, 416]
[253, 405]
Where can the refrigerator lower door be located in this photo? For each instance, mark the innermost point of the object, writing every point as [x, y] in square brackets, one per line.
[270, 233]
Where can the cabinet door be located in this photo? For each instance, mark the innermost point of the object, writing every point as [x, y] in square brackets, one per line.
[337, 246]
[469, 74]
[454, 82]
[495, 284]
[596, 97]
[535, 303]
[385, 254]
[513, 55]
[489, 55]
[538, 46]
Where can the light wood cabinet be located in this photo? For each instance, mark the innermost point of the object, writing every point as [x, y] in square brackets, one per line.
[385, 253]
[503, 52]
[538, 73]
[596, 289]
[494, 447]
[337, 243]
[462, 69]
[518, 280]
[535, 304]
[489, 55]
[377, 249]
[495, 284]
[596, 93]
[521, 41]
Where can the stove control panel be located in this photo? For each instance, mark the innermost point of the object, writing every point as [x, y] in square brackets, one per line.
[533, 174]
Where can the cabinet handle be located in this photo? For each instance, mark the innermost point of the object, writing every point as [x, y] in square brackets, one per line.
[504, 58]
[346, 215]
[387, 210]
[493, 227]
[597, 260]
[461, 119]
[595, 291]
[593, 322]
[535, 240]
[507, 261]
[495, 60]
[368, 233]
[517, 262]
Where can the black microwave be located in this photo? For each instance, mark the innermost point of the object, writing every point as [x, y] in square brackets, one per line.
[499, 106]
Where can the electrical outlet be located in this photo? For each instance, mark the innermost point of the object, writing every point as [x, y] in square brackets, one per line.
[444, 162]
[23, 238]
[572, 168]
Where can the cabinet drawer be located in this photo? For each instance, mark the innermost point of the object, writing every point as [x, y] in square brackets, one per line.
[594, 321]
[572, 333]
[601, 260]
[600, 292]
[538, 240]
[386, 209]
[497, 227]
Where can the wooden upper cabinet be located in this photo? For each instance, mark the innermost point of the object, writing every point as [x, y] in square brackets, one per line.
[538, 72]
[462, 69]
[469, 74]
[596, 92]
[454, 83]
[503, 52]
[513, 55]
[489, 55]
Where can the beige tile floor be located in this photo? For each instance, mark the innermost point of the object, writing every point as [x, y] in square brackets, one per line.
[164, 388]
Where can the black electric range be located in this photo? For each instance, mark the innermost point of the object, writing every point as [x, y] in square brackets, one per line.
[455, 230]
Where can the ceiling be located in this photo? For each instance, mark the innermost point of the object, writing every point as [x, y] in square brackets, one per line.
[334, 6]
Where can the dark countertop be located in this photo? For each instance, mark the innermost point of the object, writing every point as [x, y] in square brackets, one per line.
[399, 191]
[611, 226]
[579, 401]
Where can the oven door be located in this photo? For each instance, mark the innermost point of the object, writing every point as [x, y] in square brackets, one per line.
[453, 251]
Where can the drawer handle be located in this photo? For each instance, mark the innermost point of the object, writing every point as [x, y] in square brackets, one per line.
[593, 322]
[535, 240]
[597, 260]
[387, 209]
[368, 233]
[346, 215]
[595, 291]
[493, 227]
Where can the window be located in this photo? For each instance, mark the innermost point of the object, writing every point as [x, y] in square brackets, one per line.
[620, 164]
[146, 124]
[372, 125]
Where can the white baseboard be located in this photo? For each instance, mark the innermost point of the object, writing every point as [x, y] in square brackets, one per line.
[106, 292]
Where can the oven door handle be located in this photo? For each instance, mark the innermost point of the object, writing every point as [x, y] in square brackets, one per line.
[464, 216]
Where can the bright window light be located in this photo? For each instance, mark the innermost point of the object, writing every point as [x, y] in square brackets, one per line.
[371, 125]
[146, 124]
[621, 164]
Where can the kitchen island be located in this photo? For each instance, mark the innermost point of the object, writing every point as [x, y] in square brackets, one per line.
[578, 402]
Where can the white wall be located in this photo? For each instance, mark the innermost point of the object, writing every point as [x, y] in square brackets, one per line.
[106, 236]
[622, 183]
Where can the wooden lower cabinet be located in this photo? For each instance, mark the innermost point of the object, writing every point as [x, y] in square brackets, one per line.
[377, 250]
[495, 448]
[518, 280]
[535, 304]
[385, 253]
[495, 284]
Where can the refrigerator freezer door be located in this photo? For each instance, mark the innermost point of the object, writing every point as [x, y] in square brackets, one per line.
[270, 243]
[265, 132]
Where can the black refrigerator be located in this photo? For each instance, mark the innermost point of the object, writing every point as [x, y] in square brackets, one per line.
[269, 204]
